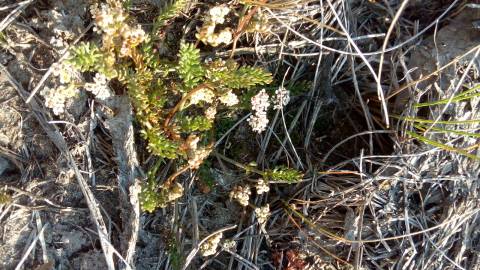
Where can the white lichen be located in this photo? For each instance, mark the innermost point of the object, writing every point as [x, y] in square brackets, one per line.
[64, 24]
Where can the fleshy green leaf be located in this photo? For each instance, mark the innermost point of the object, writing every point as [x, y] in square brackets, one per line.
[243, 77]
[284, 174]
[190, 69]
[197, 123]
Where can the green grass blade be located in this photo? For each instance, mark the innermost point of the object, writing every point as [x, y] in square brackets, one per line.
[441, 130]
[428, 121]
[468, 94]
[441, 145]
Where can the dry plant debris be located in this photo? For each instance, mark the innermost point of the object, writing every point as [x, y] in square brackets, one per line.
[285, 134]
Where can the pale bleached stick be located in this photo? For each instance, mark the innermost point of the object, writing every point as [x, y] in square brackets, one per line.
[30, 248]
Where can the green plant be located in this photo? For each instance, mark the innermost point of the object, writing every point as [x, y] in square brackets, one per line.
[278, 174]
[175, 101]
[283, 174]
[426, 127]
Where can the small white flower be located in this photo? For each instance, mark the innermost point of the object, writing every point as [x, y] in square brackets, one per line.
[207, 34]
[210, 112]
[259, 24]
[137, 34]
[229, 99]
[170, 194]
[208, 60]
[282, 97]
[258, 122]
[260, 102]
[125, 50]
[109, 17]
[241, 194]
[262, 186]
[229, 245]
[225, 36]
[55, 98]
[192, 142]
[99, 87]
[65, 72]
[218, 13]
[209, 247]
[196, 157]
[262, 214]
[204, 94]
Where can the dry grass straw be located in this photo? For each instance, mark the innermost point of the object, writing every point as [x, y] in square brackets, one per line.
[394, 203]
[414, 208]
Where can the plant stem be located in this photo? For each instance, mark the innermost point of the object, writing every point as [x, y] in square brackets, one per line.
[240, 165]
[177, 107]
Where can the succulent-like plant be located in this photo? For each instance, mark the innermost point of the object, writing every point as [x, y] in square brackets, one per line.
[175, 101]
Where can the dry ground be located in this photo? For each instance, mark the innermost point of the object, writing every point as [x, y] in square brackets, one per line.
[373, 197]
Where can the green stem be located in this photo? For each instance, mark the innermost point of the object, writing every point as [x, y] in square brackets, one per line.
[240, 165]
[427, 121]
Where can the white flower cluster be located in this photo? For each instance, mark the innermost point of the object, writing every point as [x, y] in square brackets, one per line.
[229, 99]
[108, 17]
[260, 103]
[230, 245]
[68, 77]
[207, 34]
[99, 87]
[210, 112]
[65, 73]
[209, 247]
[111, 21]
[262, 186]
[258, 24]
[241, 194]
[218, 13]
[282, 97]
[258, 120]
[262, 214]
[65, 25]
[204, 94]
[197, 156]
[55, 98]
[170, 193]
